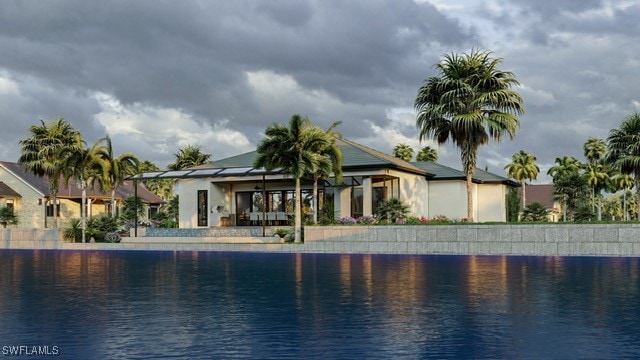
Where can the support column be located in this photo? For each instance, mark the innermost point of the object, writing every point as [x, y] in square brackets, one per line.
[367, 196]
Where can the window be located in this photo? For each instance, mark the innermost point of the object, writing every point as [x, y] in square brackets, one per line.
[50, 209]
[153, 211]
[11, 204]
[203, 205]
[379, 195]
[356, 202]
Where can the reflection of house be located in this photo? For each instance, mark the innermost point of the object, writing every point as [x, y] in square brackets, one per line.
[31, 200]
[543, 194]
[230, 191]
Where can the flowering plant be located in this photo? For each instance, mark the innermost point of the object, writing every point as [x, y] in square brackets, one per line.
[346, 220]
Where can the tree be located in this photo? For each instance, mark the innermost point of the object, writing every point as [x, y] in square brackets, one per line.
[624, 149]
[623, 182]
[160, 187]
[596, 176]
[403, 151]
[7, 216]
[297, 150]
[119, 168]
[569, 188]
[535, 212]
[189, 156]
[132, 206]
[594, 150]
[522, 168]
[470, 102]
[565, 165]
[85, 166]
[333, 152]
[44, 153]
[427, 153]
[512, 205]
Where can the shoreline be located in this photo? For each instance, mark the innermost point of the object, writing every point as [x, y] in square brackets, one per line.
[617, 240]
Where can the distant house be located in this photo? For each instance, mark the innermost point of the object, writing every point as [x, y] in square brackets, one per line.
[232, 192]
[543, 194]
[30, 198]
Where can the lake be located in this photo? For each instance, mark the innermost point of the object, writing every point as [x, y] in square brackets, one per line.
[182, 305]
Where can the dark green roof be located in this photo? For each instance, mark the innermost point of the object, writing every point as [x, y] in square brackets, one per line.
[442, 172]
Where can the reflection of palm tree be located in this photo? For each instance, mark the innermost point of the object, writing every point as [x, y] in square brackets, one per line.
[42, 153]
[522, 168]
[427, 154]
[624, 149]
[296, 150]
[470, 102]
[403, 151]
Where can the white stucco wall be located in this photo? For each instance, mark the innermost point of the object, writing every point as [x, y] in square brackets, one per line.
[448, 198]
[414, 191]
[491, 202]
[188, 207]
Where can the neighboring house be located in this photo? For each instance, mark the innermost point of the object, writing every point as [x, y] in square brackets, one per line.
[231, 191]
[543, 194]
[30, 198]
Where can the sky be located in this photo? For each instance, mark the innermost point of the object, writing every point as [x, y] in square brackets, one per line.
[158, 75]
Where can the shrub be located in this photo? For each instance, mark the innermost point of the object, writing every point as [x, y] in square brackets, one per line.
[112, 237]
[74, 231]
[391, 210]
[367, 220]
[346, 220]
[327, 213]
[535, 212]
[7, 216]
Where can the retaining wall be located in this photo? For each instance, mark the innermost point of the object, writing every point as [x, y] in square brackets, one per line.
[537, 240]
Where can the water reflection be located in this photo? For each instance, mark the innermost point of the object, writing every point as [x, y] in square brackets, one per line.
[190, 304]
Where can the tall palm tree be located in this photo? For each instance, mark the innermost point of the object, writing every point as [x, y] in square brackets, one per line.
[470, 102]
[623, 182]
[119, 168]
[523, 167]
[296, 150]
[594, 150]
[334, 154]
[403, 151]
[568, 189]
[596, 176]
[189, 156]
[44, 153]
[566, 178]
[85, 166]
[427, 153]
[161, 187]
[624, 149]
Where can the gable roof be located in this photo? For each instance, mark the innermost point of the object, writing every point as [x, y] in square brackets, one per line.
[7, 191]
[443, 172]
[70, 191]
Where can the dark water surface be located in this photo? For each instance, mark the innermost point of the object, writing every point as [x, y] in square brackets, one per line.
[152, 305]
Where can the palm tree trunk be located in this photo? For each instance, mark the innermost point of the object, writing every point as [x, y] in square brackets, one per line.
[315, 200]
[524, 194]
[298, 214]
[599, 208]
[624, 204]
[469, 198]
[83, 212]
[113, 202]
[593, 199]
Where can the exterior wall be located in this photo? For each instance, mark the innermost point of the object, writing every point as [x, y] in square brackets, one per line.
[414, 191]
[448, 198]
[491, 204]
[188, 208]
[30, 213]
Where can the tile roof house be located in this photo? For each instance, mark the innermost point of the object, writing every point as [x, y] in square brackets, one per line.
[31, 199]
[231, 191]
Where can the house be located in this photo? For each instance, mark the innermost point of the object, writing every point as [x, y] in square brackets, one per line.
[232, 192]
[543, 194]
[31, 199]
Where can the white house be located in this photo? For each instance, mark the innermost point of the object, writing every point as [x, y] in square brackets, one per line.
[231, 192]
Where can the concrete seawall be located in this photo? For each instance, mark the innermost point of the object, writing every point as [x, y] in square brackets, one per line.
[535, 240]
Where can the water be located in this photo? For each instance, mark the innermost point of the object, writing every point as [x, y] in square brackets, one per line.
[153, 305]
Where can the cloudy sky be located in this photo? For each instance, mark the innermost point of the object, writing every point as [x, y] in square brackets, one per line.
[158, 75]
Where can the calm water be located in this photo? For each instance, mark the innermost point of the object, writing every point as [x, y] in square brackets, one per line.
[144, 305]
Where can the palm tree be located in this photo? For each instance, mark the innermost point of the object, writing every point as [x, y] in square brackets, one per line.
[522, 168]
[427, 154]
[624, 149]
[565, 165]
[403, 151]
[470, 103]
[189, 156]
[594, 150]
[44, 153]
[160, 187]
[623, 182]
[85, 166]
[596, 176]
[119, 168]
[568, 189]
[296, 150]
[334, 153]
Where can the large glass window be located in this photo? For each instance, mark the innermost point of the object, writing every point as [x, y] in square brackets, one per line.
[203, 205]
[378, 196]
[356, 202]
